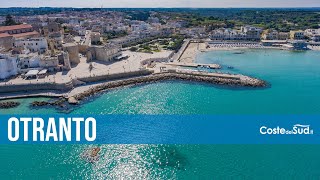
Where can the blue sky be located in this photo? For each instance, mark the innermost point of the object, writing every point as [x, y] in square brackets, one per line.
[160, 3]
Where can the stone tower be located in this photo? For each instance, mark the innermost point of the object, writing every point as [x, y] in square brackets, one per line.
[73, 51]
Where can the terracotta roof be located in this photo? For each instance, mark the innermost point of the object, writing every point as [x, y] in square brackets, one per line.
[15, 27]
[21, 35]
[2, 35]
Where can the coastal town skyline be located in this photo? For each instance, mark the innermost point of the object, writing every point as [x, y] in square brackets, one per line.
[163, 4]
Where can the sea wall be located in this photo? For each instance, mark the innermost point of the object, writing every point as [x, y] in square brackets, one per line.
[36, 86]
[27, 87]
[109, 77]
[184, 46]
[156, 60]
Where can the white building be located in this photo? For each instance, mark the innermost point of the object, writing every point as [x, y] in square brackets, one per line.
[313, 34]
[8, 66]
[228, 34]
[127, 40]
[252, 33]
[80, 30]
[26, 61]
[49, 62]
[270, 35]
[33, 44]
[297, 35]
[57, 62]
[139, 26]
[283, 36]
[247, 33]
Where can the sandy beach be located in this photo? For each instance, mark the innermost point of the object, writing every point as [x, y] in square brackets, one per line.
[191, 52]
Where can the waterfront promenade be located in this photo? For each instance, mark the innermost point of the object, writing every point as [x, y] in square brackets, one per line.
[194, 65]
[58, 83]
[30, 94]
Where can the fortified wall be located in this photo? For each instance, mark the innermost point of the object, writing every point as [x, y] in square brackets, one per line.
[37, 86]
[28, 87]
[106, 77]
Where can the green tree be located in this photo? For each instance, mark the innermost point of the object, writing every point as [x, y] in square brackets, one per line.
[9, 21]
[90, 67]
[133, 49]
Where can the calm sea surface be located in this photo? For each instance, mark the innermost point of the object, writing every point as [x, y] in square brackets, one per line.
[294, 79]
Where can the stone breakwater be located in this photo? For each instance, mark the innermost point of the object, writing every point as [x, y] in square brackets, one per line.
[59, 103]
[9, 104]
[220, 79]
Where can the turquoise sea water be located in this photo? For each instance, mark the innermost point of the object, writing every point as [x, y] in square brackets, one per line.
[295, 82]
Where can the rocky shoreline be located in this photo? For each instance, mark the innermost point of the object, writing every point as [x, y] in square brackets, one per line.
[240, 81]
[9, 104]
[59, 102]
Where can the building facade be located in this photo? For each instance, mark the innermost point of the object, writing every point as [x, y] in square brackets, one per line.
[95, 37]
[73, 51]
[252, 33]
[26, 61]
[6, 41]
[8, 66]
[297, 35]
[19, 31]
[103, 53]
[33, 44]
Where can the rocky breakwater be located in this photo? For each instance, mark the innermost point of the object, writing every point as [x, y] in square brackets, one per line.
[58, 103]
[213, 78]
[61, 104]
[252, 82]
[9, 104]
